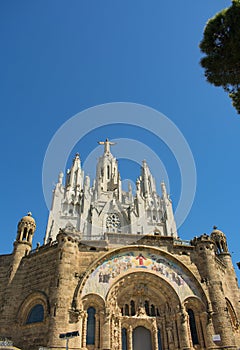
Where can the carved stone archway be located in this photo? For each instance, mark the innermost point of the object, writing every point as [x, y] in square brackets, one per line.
[141, 299]
[141, 287]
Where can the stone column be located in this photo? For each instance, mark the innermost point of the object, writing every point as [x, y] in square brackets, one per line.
[200, 330]
[120, 334]
[175, 334]
[130, 338]
[182, 320]
[80, 323]
[116, 334]
[164, 335]
[155, 336]
[169, 331]
[106, 332]
[97, 335]
[170, 337]
[207, 328]
[84, 330]
[101, 321]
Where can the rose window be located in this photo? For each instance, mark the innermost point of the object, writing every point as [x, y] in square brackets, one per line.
[113, 222]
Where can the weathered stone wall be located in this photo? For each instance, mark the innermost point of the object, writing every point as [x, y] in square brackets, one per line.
[52, 276]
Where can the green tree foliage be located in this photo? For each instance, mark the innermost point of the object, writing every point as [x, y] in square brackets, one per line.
[221, 44]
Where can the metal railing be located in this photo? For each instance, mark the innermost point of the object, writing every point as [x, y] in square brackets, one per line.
[182, 242]
[6, 342]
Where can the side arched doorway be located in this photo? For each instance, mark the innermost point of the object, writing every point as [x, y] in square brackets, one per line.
[142, 339]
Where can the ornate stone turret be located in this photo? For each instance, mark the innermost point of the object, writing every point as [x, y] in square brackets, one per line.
[210, 267]
[26, 229]
[220, 241]
[23, 243]
[223, 254]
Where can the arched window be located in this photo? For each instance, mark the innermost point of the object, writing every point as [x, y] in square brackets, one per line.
[75, 179]
[91, 325]
[219, 249]
[126, 310]
[193, 327]
[124, 339]
[147, 307]
[132, 308]
[232, 314]
[24, 234]
[153, 312]
[29, 235]
[36, 314]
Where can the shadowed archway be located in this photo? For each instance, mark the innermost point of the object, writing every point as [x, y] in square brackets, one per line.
[142, 339]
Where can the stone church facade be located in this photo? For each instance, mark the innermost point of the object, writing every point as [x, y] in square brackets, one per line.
[113, 273]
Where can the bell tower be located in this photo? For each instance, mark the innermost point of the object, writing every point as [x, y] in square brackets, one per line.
[23, 242]
[26, 229]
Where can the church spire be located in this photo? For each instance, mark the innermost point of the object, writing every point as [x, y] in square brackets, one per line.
[168, 212]
[74, 174]
[74, 180]
[87, 208]
[107, 176]
[148, 182]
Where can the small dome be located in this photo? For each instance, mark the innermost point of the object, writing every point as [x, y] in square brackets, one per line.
[220, 240]
[28, 218]
[217, 233]
[25, 229]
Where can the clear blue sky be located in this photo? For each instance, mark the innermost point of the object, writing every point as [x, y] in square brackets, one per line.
[61, 57]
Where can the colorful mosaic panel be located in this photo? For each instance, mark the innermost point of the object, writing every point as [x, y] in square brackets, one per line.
[105, 275]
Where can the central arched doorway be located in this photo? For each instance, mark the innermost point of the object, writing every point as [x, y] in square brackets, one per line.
[142, 339]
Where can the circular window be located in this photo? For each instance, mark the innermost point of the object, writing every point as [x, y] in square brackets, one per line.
[113, 221]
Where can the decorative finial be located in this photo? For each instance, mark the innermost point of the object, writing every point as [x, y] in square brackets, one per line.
[29, 214]
[214, 227]
[107, 145]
